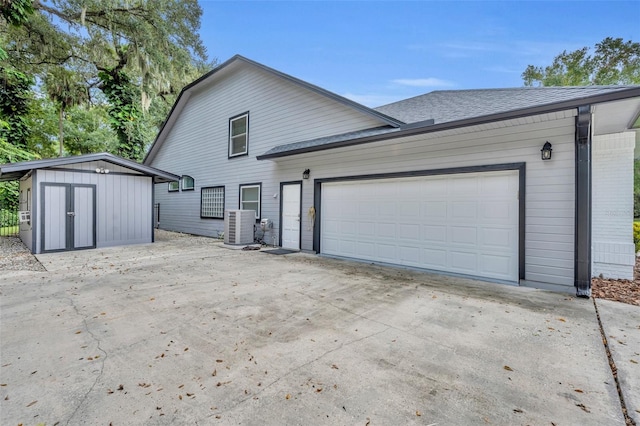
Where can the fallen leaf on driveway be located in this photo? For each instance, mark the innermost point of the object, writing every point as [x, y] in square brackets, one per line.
[78, 332]
[579, 390]
[335, 367]
[506, 367]
[31, 403]
[562, 320]
[585, 409]
[418, 413]
[287, 396]
[517, 410]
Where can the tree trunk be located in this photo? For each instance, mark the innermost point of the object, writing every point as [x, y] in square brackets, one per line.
[61, 130]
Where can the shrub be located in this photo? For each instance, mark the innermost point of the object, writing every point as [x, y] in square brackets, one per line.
[636, 235]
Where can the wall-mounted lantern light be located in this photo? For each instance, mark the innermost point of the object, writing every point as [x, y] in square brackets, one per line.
[306, 173]
[546, 151]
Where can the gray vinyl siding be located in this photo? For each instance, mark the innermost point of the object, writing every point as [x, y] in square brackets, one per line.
[123, 202]
[549, 238]
[279, 113]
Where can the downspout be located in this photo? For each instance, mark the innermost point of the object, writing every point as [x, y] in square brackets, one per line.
[582, 265]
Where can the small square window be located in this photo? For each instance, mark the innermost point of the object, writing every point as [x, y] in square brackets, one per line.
[174, 186]
[239, 135]
[187, 183]
[250, 198]
[212, 202]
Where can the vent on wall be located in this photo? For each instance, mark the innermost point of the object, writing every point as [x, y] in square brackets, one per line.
[238, 226]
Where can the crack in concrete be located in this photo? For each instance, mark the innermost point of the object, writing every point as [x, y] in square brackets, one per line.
[301, 366]
[102, 362]
[614, 370]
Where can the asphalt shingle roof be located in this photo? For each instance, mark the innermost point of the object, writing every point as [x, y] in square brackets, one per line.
[297, 146]
[451, 105]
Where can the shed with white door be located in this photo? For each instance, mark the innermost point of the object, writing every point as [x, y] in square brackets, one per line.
[86, 201]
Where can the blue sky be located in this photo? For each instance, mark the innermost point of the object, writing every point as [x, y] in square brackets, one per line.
[380, 52]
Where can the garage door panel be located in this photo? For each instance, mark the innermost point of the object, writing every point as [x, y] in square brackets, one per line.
[462, 186]
[386, 252]
[492, 185]
[348, 227]
[366, 229]
[463, 210]
[464, 223]
[463, 262]
[409, 231]
[409, 255]
[388, 210]
[464, 235]
[348, 247]
[495, 210]
[434, 233]
[496, 265]
[497, 238]
[409, 209]
[366, 250]
[435, 258]
[434, 210]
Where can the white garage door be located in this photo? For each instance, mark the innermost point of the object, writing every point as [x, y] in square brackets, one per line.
[464, 223]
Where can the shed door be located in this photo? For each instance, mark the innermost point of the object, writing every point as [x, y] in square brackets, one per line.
[68, 216]
[462, 223]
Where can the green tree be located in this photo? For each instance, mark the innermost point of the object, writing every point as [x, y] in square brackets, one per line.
[15, 94]
[66, 92]
[613, 61]
[152, 44]
[16, 13]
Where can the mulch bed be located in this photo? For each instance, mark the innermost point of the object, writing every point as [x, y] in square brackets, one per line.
[624, 291]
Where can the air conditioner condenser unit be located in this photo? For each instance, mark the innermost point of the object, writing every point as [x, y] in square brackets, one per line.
[238, 226]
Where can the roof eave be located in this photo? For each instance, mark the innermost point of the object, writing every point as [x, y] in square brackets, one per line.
[424, 127]
[23, 168]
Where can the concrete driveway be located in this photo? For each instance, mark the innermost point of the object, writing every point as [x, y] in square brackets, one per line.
[188, 332]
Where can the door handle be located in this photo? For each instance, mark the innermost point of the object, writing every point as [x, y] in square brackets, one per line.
[71, 213]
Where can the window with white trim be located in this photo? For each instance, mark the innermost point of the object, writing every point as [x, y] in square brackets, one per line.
[212, 202]
[174, 186]
[250, 197]
[239, 135]
[187, 183]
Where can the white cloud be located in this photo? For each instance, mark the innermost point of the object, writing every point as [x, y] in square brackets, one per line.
[423, 82]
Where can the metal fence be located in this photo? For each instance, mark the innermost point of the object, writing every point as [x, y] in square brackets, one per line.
[156, 215]
[9, 223]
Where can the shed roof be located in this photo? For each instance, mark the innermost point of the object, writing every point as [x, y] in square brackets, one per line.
[15, 171]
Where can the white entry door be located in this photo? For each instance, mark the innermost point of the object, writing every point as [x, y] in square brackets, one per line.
[291, 215]
[461, 223]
